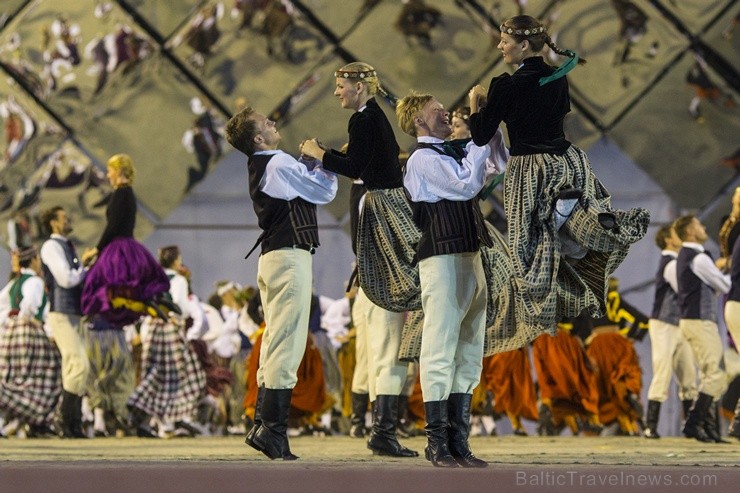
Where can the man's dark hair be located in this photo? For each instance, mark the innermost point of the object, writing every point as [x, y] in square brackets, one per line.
[240, 131]
[48, 216]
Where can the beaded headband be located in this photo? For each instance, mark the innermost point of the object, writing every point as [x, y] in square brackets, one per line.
[522, 32]
[461, 115]
[345, 74]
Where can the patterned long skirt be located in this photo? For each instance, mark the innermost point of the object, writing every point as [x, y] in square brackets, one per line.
[386, 251]
[30, 371]
[112, 376]
[544, 287]
[172, 380]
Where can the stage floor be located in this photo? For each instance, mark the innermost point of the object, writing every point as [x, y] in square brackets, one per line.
[341, 464]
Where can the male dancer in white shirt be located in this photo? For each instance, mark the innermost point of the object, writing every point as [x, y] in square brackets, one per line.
[442, 182]
[699, 282]
[284, 193]
[64, 274]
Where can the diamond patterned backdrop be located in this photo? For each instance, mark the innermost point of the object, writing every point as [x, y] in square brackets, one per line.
[84, 79]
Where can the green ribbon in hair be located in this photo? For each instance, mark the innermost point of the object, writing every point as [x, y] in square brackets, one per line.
[563, 69]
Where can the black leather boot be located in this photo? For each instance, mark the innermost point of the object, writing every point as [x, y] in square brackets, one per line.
[437, 450]
[694, 426]
[458, 413]
[383, 439]
[139, 423]
[272, 436]
[357, 420]
[734, 430]
[651, 421]
[249, 440]
[711, 424]
[404, 427]
[71, 416]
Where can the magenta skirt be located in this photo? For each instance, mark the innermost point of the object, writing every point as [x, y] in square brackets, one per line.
[124, 268]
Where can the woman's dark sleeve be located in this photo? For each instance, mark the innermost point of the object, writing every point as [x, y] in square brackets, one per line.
[485, 122]
[120, 216]
[359, 151]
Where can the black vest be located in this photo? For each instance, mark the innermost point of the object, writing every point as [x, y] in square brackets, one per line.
[63, 300]
[448, 226]
[285, 223]
[695, 298]
[665, 305]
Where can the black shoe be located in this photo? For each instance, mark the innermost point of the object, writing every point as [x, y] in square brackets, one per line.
[271, 437]
[357, 420]
[458, 416]
[40, 431]
[607, 220]
[383, 439]
[249, 439]
[437, 450]
[694, 426]
[146, 431]
[570, 193]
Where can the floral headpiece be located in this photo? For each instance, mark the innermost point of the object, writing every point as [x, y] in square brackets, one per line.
[347, 74]
[522, 32]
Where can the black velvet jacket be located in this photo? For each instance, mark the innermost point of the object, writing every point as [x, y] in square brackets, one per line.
[120, 216]
[533, 114]
[372, 154]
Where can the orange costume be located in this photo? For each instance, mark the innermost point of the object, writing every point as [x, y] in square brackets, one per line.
[309, 394]
[566, 379]
[509, 377]
[619, 378]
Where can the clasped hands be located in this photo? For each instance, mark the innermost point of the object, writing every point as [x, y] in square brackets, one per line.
[477, 97]
[313, 149]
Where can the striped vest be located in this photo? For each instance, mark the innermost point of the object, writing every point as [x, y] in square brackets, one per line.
[285, 223]
[449, 226]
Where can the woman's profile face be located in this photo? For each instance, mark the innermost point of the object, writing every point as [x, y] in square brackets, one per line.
[348, 93]
[114, 175]
[460, 128]
[511, 49]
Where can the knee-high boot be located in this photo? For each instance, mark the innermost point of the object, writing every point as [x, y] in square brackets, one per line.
[71, 415]
[437, 450]
[272, 436]
[359, 409]
[711, 424]
[694, 426]
[383, 439]
[651, 421]
[249, 440]
[458, 413]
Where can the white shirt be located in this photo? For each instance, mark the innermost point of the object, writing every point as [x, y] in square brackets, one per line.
[669, 272]
[335, 320]
[198, 315]
[705, 269]
[179, 291]
[53, 256]
[32, 292]
[287, 178]
[431, 176]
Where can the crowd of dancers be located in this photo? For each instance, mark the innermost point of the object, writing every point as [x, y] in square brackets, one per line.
[435, 284]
